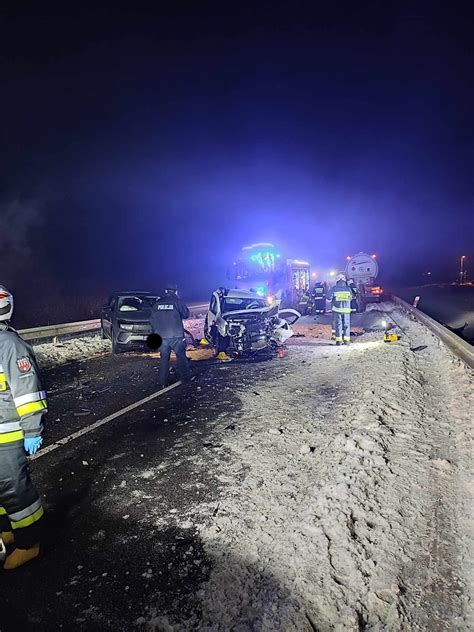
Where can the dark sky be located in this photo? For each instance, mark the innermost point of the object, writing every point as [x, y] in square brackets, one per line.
[141, 145]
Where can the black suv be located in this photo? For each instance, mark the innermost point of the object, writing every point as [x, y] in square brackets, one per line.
[126, 319]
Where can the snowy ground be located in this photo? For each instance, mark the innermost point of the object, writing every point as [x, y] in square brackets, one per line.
[346, 487]
[346, 494]
[83, 348]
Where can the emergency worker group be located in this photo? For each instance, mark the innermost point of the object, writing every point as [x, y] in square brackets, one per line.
[23, 404]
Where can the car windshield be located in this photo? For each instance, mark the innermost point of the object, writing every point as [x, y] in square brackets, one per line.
[135, 303]
[231, 304]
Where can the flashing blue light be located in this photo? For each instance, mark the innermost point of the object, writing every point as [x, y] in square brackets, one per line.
[260, 291]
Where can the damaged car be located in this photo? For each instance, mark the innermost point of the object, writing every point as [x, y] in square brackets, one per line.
[242, 323]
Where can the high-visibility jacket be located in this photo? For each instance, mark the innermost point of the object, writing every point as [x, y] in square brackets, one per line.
[319, 291]
[22, 398]
[341, 296]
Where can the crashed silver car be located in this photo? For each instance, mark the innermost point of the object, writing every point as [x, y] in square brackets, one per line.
[242, 323]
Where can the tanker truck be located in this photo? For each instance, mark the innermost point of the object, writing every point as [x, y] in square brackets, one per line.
[363, 269]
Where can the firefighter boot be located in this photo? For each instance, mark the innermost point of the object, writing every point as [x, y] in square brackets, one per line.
[7, 537]
[18, 557]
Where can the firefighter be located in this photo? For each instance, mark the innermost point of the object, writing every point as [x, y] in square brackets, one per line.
[22, 406]
[167, 321]
[340, 296]
[319, 297]
[355, 291]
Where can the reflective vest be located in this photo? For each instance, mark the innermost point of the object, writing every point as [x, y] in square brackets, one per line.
[22, 398]
[340, 296]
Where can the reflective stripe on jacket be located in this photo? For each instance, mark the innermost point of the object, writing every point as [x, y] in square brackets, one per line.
[22, 398]
[341, 296]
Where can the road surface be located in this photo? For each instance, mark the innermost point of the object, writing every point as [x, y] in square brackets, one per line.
[325, 490]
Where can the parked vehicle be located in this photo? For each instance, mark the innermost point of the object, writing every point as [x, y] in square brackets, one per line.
[247, 322]
[262, 269]
[126, 319]
[363, 269]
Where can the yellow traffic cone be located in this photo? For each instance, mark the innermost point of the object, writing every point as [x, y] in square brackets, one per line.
[18, 557]
[223, 357]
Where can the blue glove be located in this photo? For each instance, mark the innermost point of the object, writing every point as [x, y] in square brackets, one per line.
[32, 444]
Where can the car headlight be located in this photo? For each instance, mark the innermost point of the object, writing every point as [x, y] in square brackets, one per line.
[126, 326]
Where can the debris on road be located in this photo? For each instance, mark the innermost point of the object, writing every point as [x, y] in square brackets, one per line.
[337, 541]
[329, 501]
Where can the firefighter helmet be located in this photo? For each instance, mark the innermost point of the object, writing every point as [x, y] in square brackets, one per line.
[341, 277]
[6, 304]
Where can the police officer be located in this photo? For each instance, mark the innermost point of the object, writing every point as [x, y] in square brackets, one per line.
[340, 296]
[22, 406]
[167, 321]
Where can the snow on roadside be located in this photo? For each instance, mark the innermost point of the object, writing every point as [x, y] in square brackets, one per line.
[83, 348]
[354, 508]
[73, 350]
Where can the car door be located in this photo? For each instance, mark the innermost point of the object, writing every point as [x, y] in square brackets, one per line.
[107, 317]
[211, 315]
[290, 315]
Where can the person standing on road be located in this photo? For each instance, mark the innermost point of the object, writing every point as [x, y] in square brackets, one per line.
[22, 406]
[166, 320]
[319, 297]
[355, 291]
[340, 296]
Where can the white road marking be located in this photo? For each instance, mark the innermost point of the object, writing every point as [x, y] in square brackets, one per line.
[101, 422]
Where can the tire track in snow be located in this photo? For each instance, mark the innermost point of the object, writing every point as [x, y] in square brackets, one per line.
[333, 519]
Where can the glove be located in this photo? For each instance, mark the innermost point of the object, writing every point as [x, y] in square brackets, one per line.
[32, 444]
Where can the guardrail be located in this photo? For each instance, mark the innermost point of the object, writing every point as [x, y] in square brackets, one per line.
[83, 326]
[460, 347]
[51, 331]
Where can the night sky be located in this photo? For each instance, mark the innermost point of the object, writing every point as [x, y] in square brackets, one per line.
[143, 145]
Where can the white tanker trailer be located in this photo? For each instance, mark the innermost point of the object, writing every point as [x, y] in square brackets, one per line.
[363, 269]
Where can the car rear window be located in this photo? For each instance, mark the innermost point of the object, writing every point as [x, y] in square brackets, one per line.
[135, 303]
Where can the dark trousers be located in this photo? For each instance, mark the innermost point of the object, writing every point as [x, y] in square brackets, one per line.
[20, 506]
[178, 345]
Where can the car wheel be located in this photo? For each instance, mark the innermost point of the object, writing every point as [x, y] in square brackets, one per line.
[103, 335]
[115, 346]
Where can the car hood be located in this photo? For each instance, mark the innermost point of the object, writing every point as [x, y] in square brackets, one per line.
[245, 314]
[135, 317]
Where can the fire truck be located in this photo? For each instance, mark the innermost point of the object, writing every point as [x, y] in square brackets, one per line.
[260, 268]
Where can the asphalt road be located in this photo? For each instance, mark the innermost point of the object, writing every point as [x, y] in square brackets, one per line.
[106, 548]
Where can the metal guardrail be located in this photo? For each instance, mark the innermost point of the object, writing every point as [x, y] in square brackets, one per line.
[83, 326]
[51, 331]
[460, 347]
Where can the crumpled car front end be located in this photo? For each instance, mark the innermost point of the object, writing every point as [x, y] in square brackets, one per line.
[253, 330]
